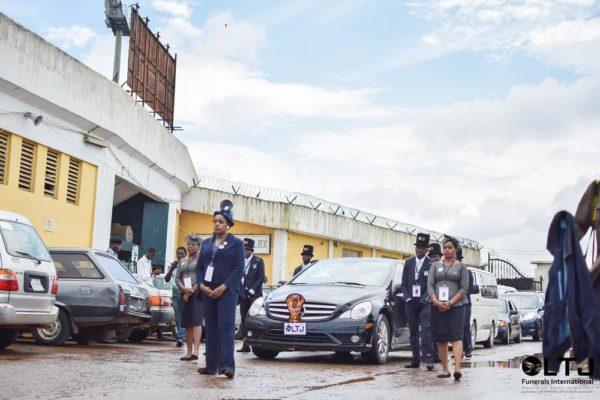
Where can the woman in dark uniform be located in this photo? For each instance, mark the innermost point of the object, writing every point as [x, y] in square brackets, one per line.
[447, 287]
[220, 270]
[191, 311]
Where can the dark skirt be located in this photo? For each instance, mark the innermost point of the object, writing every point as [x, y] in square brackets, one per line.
[192, 312]
[447, 326]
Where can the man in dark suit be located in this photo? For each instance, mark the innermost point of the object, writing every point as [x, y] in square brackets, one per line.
[251, 288]
[307, 255]
[418, 310]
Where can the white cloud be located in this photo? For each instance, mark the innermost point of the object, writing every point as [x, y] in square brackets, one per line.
[68, 36]
[174, 7]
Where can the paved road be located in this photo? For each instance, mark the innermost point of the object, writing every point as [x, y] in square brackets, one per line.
[152, 370]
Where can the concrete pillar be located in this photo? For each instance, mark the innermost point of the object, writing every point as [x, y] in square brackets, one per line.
[373, 252]
[280, 239]
[331, 253]
[105, 189]
[171, 233]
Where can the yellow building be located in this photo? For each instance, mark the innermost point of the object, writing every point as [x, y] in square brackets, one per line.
[55, 191]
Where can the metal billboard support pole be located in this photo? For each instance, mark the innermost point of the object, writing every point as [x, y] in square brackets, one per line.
[117, 65]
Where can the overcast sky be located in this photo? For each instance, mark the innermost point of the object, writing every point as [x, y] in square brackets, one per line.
[479, 118]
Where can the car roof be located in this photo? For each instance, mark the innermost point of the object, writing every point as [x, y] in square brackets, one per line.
[519, 294]
[11, 216]
[73, 249]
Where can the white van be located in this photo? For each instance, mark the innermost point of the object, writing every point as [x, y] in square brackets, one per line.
[484, 307]
[28, 282]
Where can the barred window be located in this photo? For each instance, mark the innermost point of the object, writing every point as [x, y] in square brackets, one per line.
[27, 167]
[3, 157]
[73, 181]
[52, 168]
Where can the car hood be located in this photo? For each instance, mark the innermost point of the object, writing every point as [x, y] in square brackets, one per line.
[338, 294]
[525, 311]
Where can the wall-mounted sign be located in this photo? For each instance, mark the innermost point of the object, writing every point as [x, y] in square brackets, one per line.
[262, 243]
[49, 225]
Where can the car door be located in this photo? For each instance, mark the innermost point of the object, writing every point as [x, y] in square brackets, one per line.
[401, 332]
[83, 289]
[514, 319]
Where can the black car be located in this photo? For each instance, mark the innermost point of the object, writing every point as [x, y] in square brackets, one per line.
[95, 292]
[339, 304]
[509, 322]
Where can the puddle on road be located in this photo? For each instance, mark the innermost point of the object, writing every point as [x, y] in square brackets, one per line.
[348, 382]
[514, 362]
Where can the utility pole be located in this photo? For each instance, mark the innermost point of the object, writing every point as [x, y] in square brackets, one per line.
[117, 21]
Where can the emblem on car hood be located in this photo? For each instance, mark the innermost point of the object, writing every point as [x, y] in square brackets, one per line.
[295, 304]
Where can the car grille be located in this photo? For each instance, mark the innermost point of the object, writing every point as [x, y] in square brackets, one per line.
[274, 335]
[312, 311]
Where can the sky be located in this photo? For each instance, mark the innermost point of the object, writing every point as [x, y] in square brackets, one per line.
[479, 118]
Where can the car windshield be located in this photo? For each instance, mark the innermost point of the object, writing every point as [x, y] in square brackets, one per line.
[359, 272]
[503, 307]
[160, 283]
[525, 301]
[115, 269]
[23, 241]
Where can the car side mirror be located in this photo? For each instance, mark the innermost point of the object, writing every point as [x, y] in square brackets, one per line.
[281, 283]
[475, 289]
[513, 312]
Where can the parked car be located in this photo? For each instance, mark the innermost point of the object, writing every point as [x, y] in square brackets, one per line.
[28, 282]
[161, 310]
[484, 307]
[95, 292]
[509, 322]
[531, 310]
[339, 304]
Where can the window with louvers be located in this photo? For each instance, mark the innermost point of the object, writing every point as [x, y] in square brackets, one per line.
[3, 156]
[27, 167]
[51, 173]
[73, 181]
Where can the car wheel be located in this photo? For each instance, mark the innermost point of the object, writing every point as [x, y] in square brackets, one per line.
[519, 336]
[266, 354]
[55, 334]
[538, 335]
[489, 343]
[506, 338]
[380, 342]
[7, 337]
[139, 335]
[473, 333]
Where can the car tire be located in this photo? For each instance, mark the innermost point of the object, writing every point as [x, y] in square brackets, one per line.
[506, 339]
[55, 334]
[139, 335]
[380, 342]
[7, 337]
[519, 337]
[265, 354]
[489, 343]
[538, 335]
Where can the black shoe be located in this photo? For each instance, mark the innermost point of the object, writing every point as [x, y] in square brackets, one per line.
[204, 371]
[194, 357]
[457, 376]
[228, 373]
[444, 375]
[468, 355]
[245, 349]
[411, 365]
[429, 367]
[186, 358]
[179, 343]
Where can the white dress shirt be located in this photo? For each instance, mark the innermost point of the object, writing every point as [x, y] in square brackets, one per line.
[144, 270]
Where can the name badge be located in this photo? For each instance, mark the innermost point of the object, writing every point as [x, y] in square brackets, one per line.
[416, 291]
[209, 273]
[444, 293]
[187, 282]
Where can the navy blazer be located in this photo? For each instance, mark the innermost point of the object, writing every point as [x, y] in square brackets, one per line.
[254, 279]
[228, 263]
[408, 278]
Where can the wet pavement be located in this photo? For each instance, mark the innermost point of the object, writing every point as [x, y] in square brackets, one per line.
[152, 370]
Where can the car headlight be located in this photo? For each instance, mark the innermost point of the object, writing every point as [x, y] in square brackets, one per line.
[359, 311]
[501, 323]
[257, 308]
[529, 316]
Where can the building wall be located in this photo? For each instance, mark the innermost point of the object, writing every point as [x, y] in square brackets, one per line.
[296, 242]
[192, 222]
[338, 250]
[58, 222]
